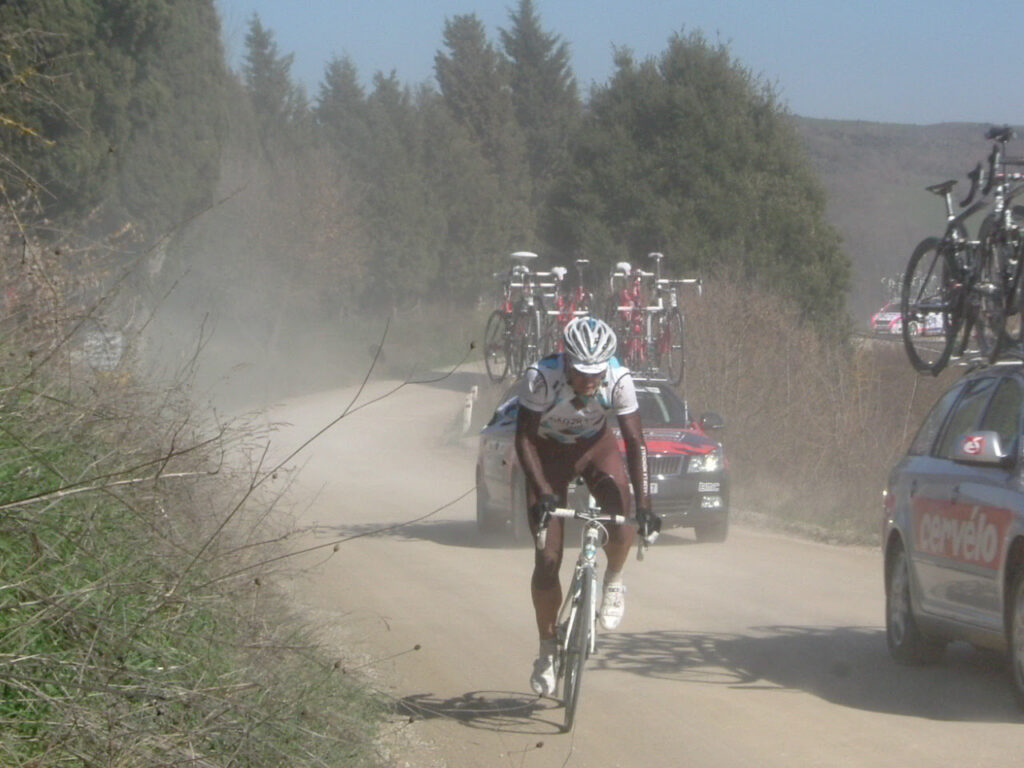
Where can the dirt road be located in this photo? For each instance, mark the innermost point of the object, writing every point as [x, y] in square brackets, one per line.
[762, 651]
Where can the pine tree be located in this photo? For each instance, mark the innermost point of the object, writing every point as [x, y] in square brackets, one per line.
[278, 104]
[340, 110]
[690, 155]
[474, 81]
[123, 119]
[544, 92]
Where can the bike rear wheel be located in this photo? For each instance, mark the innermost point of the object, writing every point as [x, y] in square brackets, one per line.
[577, 646]
[526, 339]
[989, 304]
[671, 344]
[930, 306]
[496, 351]
[1004, 251]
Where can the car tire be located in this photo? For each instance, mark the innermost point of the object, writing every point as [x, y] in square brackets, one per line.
[1015, 636]
[712, 533]
[519, 524]
[907, 645]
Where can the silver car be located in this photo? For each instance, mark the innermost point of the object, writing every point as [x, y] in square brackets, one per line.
[953, 526]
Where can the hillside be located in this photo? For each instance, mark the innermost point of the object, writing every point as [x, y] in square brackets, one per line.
[875, 175]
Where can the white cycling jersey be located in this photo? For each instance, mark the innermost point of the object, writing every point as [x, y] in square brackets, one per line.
[546, 389]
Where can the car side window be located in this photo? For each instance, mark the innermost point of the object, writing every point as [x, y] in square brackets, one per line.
[966, 414]
[1003, 414]
[925, 437]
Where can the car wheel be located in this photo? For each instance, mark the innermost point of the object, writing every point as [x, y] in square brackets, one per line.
[519, 523]
[708, 533]
[906, 643]
[1015, 625]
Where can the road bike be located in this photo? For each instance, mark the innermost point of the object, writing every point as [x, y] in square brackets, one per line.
[649, 322]
[949, 288]
[1000, 235]
[564, 305]
[513, 333]
[576, 626]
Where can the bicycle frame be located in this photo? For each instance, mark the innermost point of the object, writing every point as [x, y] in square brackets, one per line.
[565, 305]
[573, 617]
[631, 307]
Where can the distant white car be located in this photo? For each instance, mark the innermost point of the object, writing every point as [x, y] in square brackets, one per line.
[884, 319]
[888, 320]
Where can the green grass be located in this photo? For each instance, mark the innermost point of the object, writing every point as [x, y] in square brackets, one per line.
[121, 644]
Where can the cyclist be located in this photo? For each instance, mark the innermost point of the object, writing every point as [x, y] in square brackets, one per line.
[561, 433]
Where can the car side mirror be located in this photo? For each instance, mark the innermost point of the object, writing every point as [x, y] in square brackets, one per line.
[711, 420]
[984, 447]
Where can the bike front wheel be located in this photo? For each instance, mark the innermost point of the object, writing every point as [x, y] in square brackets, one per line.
[577, 646]
[930, 311]
[496, 351]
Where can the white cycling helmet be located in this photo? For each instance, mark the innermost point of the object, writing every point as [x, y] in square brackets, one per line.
[589, 343]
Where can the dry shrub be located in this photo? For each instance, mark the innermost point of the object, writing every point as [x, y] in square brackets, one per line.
[141, 622]
[813, 424]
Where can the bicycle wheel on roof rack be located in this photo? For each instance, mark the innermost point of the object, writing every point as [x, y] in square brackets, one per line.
[1005, 251]
[988, 304]
[496, 351]
[931, 310]
[526, 339]
[1012, 339]
[672, 351]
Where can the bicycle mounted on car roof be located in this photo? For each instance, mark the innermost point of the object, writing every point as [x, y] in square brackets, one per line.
[650, 329]
[513, 333]
[956, 290]
[564, 305]
[1001, 233]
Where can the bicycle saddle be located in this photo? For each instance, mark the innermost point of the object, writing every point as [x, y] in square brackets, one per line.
[943, 188]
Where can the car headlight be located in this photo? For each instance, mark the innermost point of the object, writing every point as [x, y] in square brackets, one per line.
[709, 462]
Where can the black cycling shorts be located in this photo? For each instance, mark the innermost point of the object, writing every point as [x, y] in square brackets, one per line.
[596, 459]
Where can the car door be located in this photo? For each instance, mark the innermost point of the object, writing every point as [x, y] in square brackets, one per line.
[916, 488]
[982, 499]
[955, 507]
[497, 454]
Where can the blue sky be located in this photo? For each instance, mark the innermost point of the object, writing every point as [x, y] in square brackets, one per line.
[901, 61]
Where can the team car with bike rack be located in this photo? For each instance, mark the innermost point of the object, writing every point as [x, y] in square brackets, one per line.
[689, 474]
[953, 525]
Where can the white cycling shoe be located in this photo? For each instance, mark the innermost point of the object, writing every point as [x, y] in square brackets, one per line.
[543, 678]
[613, 605]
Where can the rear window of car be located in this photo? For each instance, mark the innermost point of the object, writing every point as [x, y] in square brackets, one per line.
[925, 437]
[966, 414]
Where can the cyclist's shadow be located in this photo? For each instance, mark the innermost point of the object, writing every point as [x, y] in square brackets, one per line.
[504, 711]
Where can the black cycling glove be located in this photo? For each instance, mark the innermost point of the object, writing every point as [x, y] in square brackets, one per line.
[546, 504]
[647, 522]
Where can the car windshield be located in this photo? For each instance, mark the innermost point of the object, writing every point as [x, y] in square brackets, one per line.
[659, 409]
